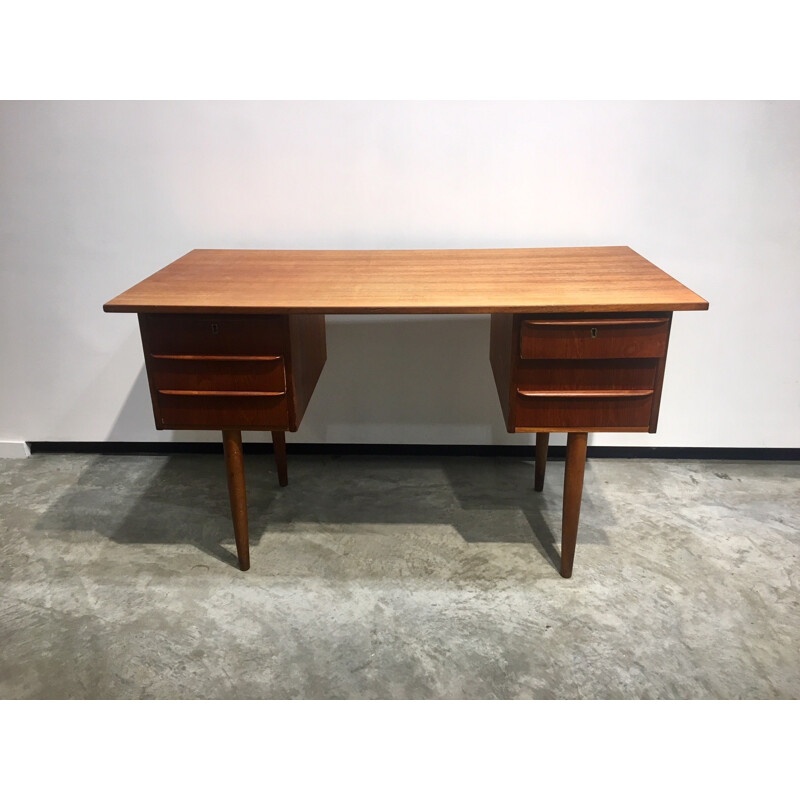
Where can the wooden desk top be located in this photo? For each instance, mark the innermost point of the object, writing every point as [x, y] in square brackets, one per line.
[559, 279]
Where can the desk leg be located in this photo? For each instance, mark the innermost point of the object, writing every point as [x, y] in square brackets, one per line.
[542, 442]
[573, 488]
[234, 465]
[279, 445]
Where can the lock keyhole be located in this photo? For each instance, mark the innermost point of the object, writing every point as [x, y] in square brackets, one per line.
[214, 328]
[594, 333]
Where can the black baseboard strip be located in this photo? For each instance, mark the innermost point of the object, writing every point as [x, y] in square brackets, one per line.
[490, 450]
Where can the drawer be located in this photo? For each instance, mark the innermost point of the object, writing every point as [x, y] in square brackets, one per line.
[587, 374]
[220, 410]
[219, 373]
[602, 336]
[603, 409]
[223, 334]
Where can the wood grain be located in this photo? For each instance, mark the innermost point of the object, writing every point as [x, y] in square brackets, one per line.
[235, 371]
[625, 337]
[586, 279]
[564, 394]
[501, 358]
[217, 374]
[659, 384]
[208, 335]
[235, 339]
[307, 356]
[237, 493]
[572, 384]
[573, 490]
[217, 412]
[593, 374]
[558, 413]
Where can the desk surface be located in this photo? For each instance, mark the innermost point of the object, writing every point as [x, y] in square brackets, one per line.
[562, 279]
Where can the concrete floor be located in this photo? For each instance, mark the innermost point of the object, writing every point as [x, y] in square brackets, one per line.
[397, 578]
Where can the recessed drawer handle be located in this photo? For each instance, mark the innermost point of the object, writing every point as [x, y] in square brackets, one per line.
[597, 393]
[196, 393]
[217, 358]
[547, 323]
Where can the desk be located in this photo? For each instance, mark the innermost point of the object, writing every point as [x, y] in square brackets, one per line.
[235, 340]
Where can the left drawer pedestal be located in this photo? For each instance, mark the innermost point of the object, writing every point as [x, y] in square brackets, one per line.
[233, 372]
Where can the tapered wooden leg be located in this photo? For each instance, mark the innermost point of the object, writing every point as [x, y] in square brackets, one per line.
[234, 465]
[573, 489]
[542, 442]
[279, 445]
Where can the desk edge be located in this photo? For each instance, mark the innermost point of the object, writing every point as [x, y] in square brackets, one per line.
[137, 308]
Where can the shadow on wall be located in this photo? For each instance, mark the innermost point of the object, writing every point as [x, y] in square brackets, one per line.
[183, 499]
[406, 380]
[136, 415]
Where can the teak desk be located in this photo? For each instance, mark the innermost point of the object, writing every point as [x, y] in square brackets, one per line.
[235, 340]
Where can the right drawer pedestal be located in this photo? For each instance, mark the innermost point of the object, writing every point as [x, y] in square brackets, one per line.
[568, 372]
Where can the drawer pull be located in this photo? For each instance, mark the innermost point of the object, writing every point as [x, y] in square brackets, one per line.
[549, 323]
[198, 393]
[217, 358]
[577, 393]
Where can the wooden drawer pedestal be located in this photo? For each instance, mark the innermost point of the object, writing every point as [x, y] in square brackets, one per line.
[571, 372]
[234, 373]
[577, 373]
[248, 372]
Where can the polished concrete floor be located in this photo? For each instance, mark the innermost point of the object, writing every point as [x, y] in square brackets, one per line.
[397, 577]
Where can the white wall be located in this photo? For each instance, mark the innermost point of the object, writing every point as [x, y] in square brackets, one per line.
[96, 196]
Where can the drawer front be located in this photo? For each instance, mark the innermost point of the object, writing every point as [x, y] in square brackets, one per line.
[221, 335]
[587, 374]
[594, 337]
[219, 373]
[216, 412]
[626, 411]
